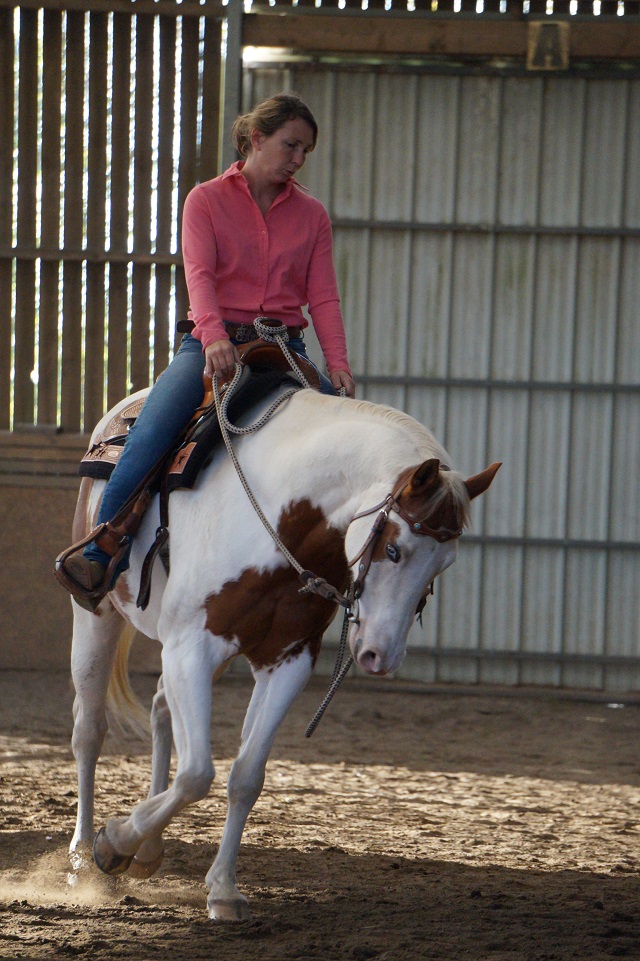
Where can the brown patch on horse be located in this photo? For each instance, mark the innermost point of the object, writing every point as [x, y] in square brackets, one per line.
[122, 592]
[264, 609]
[389, 535]
[424, 483]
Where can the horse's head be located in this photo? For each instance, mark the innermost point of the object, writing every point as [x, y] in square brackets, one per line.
[413, 539]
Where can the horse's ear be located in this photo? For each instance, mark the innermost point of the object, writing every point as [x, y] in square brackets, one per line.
[425, 477]
[480, 482]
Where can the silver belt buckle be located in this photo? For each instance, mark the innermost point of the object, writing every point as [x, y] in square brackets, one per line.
[245, 334]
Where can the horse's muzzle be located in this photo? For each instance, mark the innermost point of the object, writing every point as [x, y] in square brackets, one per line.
[373, 660]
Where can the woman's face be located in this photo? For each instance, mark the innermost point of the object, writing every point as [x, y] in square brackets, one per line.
[280, 156]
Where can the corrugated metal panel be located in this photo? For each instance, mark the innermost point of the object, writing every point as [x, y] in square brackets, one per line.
[436, 149]
[597, 293]
[547, 465]
[552, 352]
[470, 319]
[624, 518]
[520, 150]
[628, 352]
[490, 276]
[507, 438]
[605, 140]
[562, 152]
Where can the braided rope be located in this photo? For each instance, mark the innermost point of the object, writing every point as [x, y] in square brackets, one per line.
[222, 405]
[312, 585]
[340, 671]
[280, 336]
[226, 427]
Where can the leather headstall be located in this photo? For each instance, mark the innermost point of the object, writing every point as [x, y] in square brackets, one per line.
[392, 503]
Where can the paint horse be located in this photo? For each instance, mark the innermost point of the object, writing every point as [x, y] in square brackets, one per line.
[322, 469]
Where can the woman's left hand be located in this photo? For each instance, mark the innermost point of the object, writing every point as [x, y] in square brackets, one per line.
[340, 378]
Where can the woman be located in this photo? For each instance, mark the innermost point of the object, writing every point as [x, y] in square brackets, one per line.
[254, 243]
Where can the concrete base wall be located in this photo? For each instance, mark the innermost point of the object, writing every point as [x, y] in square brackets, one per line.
[35, 611]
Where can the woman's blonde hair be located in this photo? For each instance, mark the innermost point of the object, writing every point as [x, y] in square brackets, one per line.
[268, 116]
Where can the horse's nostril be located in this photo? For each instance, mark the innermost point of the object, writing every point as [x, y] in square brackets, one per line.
[368, 659]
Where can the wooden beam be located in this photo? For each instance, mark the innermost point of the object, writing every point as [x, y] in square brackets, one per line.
[388, 35]
[615, 41]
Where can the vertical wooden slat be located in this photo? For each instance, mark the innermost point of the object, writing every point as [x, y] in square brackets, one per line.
[96, 201]
[82, 366]
[25, 268]
[198, 161]
[188, 137]
[166, 120]
[142, 202]
[71, 399]
[6, 207]
[50, 233]
[208, 166]
[117, 385]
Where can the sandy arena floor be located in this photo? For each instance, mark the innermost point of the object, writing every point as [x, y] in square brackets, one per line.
[412, 826]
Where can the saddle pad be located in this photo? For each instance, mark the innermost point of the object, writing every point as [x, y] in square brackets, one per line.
[198, 448]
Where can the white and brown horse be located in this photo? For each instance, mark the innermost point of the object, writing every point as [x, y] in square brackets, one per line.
[321, 469]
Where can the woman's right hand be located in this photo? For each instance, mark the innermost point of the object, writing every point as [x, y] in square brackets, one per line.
[221, 358]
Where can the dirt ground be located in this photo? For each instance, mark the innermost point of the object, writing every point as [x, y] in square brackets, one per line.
[414, 825]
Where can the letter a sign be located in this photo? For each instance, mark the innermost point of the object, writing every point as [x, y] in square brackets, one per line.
[548, 46]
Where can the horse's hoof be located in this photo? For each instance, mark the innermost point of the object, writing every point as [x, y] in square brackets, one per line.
[144, 869]
[231, 909]
[107, 858]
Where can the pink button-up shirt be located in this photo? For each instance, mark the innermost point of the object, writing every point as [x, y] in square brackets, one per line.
[239, 264]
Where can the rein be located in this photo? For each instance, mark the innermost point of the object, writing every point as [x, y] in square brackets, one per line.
[313, 584]
[279, 335]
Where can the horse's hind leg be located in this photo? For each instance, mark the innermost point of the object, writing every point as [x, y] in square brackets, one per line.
[93, 651]
[272, 697]
[149, 855]
[187, 673]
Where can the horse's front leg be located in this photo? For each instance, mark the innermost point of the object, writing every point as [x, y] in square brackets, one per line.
[187, 678]
[149, 855]
[273, 695]
[93, 651]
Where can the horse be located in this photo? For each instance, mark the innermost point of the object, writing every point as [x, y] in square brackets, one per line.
[321, 468]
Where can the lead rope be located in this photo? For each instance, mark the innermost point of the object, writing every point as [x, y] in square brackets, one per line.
[312, 584]
[340, 671]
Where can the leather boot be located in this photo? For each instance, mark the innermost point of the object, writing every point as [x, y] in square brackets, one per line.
[89, 575]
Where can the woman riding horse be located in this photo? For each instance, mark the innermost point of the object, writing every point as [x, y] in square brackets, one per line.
[254, 242]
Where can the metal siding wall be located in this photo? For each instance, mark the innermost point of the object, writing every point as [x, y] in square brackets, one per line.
[489, 289]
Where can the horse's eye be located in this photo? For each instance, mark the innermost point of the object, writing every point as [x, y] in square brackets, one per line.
[393, 553]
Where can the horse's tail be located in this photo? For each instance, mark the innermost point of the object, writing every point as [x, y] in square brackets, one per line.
[127, 715]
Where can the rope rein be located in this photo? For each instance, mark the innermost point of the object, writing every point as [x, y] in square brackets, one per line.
[226, 427]
[340, 671]
[312, 584]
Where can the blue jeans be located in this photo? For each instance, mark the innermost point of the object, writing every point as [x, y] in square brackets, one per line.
[167, 410]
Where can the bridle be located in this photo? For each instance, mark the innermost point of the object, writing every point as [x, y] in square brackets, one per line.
[364, 557]
[392, 503]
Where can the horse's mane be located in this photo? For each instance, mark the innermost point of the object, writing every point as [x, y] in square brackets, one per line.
[420, 434]
[452, 488]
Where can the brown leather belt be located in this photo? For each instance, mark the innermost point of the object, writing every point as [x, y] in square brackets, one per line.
[245, 333]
